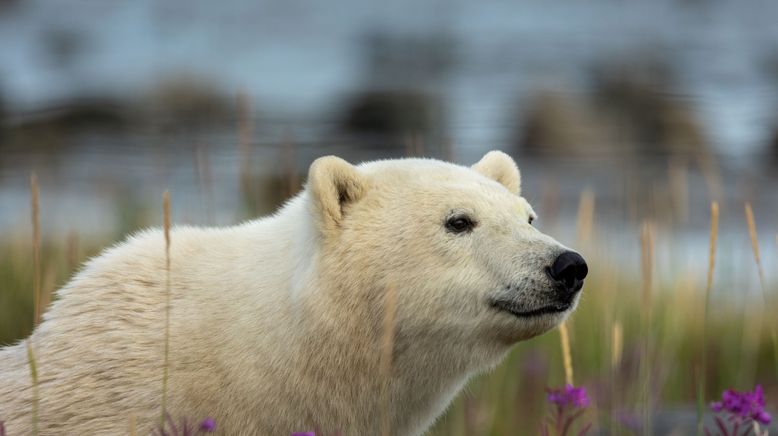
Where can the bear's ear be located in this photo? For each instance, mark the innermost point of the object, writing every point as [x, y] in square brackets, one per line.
[500, 167]
[332, 184]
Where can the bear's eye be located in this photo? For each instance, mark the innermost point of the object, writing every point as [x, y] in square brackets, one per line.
[530, 220]
[459, 224]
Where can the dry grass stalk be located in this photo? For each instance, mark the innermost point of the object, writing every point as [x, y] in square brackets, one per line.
[585, 219]
[647, 263]
[36, 247]
[714, 231]
[420, 151]
[549, 203]
[567, 358]
[710, 172]
[245, 138]
[204, 180]
[647, 269]
[133, 426]
[679, 188]
[166, 212]
[414, 147]
[290, 165]
[448, 150]
[47, 287]
[755, 246]
[71, 250]
[35, 394]
[387, 347]
[617, 344]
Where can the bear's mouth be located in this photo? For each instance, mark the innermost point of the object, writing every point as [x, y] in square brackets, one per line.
[520, 312]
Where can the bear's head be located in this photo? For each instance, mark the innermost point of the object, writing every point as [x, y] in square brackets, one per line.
[452, 248]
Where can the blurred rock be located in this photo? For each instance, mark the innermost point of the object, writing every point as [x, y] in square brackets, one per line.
[392, 118]
[182, 105]
[556, 125]
[185, 102]
[52, 127]
[632, 111]
[639, 101]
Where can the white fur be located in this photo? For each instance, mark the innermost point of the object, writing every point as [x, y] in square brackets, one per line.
[277, 324]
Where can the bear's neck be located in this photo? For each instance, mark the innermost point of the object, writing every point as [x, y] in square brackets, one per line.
[403, 378]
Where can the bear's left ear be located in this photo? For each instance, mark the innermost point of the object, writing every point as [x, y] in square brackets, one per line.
[332, 184]
[500, 167]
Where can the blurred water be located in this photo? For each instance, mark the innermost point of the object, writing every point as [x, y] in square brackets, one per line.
[299, 56]
[299, 60]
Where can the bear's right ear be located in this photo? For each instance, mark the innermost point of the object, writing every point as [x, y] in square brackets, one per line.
[332, 184]
[501, 168]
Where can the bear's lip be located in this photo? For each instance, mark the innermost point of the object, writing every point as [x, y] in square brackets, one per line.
[513, 309]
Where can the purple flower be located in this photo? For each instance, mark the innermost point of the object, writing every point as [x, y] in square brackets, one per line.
[743, 405]
[208, 425]
[569, 396]
[2, 429]
[183, 428]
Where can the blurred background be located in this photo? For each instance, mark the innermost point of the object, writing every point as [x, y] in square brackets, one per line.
[619, 113]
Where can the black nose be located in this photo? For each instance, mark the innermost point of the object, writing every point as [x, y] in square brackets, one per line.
[569, 269]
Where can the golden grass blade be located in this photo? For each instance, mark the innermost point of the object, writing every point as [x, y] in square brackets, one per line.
[755, 246]
[714, 229]
[289, 149]
[710, 172]
[387, 347]
[204, 181]
[647, 269]
[567, 358]
[166, 221]
[133, 426]
[760, 270]
[585, 217]
[678, 181]
[34, 376]
[245, 139]
[647, 263]
[47, 287]
[71, 248]
[36, 247]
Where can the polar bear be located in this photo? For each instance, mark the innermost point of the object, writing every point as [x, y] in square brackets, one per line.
[280, 324]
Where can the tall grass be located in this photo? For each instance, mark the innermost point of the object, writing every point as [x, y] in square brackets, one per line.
[702, 376]
[760, 270]
[36, 246]
[386, 357]
[567, 357]
[637, 337]
[35, 392]
[166, 363]
[647, 276]
[36, 256]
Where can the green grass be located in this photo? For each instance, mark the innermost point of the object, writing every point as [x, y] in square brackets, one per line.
[512, 396]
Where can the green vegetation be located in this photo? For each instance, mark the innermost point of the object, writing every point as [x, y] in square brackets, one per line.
[637, 338]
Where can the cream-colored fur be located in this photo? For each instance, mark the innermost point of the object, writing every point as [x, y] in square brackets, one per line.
[277, 324]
